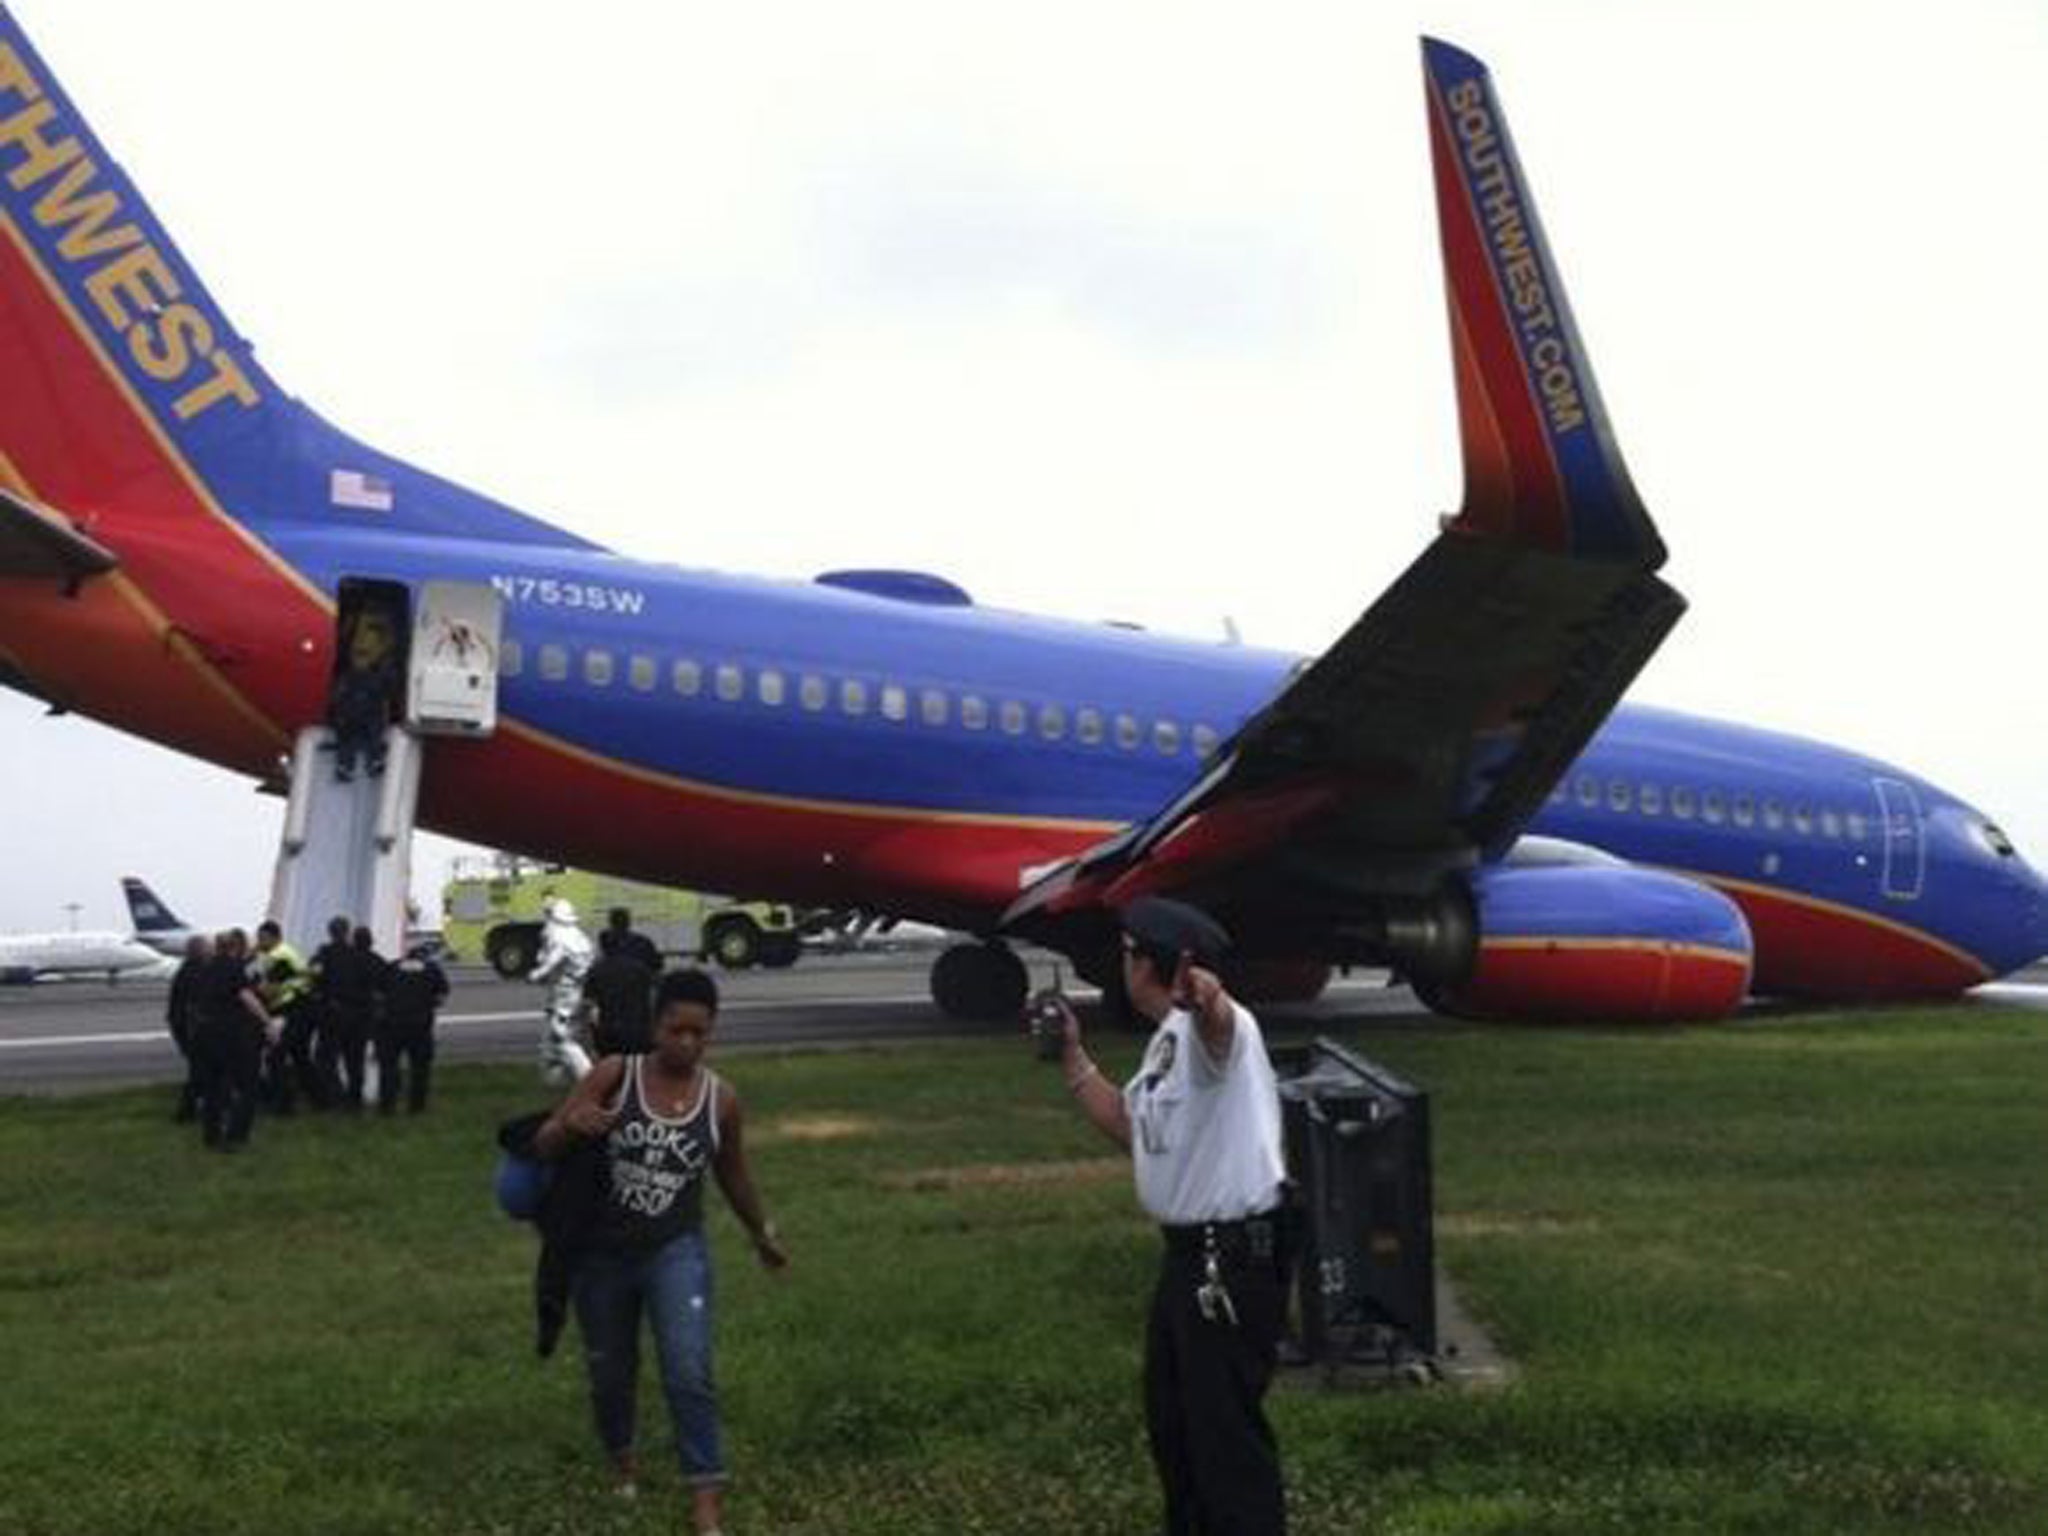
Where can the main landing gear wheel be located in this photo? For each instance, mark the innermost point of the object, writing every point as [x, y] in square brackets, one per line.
[979, 981]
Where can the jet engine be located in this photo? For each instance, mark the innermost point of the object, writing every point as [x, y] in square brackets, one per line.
[1598, 942]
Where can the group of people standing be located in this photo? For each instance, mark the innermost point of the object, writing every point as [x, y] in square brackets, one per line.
[260, 1026]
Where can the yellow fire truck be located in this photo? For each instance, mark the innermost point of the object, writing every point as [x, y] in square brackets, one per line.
[492, 912]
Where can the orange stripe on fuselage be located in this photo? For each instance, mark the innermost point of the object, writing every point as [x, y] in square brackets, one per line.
[1550, 942]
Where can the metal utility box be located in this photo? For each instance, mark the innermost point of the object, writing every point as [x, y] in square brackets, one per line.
[454, 676]
[1357, 1142]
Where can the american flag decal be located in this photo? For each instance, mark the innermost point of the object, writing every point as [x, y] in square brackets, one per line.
[353, 488]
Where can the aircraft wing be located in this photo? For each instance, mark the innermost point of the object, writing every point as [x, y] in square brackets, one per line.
[1434, 728]
[36, 542]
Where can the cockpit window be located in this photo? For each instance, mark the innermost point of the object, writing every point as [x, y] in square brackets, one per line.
[2000, 843]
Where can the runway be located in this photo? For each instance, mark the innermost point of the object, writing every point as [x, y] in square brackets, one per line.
[71, 1036]
[75, 1036]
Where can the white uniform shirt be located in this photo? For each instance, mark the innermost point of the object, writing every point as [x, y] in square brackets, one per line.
[1205, 1135]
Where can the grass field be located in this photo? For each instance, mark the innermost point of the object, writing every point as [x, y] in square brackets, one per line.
[1786, 1276]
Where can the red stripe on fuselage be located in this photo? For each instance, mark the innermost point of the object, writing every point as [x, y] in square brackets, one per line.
[1534, 510]
[1806, 948]
[518, 790]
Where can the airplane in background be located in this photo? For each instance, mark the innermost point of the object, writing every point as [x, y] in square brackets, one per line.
[155, 924]
[31, 957]
[1450, 790]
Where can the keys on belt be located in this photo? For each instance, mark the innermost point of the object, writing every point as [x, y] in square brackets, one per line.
[1212, 1296]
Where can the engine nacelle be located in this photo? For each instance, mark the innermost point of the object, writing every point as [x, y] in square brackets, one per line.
[1279, 981]
[1600, 942]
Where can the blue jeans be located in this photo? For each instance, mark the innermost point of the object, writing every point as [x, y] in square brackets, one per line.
[672, 1284]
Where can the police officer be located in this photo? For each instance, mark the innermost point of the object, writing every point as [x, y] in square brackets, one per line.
[1202, 1122]
[286, 987]
[620, 987]
[414, 989]
[231, 1026]
[351, 977]
[181, 1015]
[631, 941]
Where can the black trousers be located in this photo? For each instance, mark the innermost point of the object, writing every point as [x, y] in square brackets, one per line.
[292, 1067]
[188, 1091]
[229, 1056]
[405, 1055]
[344, 1047]
[1206, 1380]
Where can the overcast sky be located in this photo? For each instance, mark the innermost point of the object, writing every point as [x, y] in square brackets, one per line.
[1117, 310]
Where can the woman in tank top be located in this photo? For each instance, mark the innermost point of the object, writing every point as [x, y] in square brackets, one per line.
[664, 1120]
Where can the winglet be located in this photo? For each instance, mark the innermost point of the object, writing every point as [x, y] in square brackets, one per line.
[1541, 465]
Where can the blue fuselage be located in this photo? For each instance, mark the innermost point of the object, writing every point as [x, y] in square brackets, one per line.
[848, 701]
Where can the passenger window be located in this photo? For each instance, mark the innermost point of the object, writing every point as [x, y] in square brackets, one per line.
[1619, 795]
[1682, 803]
[554, 663]
[853, 697]
[1206, 742]
[1650, 800]
[895, 702]
[768, 686]
[687, 678]
[1127, 732]
[931, 706]
[1859, 829]
[1052, 722]
[1802, 820]
[1011, 716]
[597, 668]
[813, 693]
[511, 658]
[730, 682]
[1745, 811]
[1831, 825]
[1088, 726]
[1711, 808]
[640, 674]
[1166, 737]
[973, 712]
[1588, 790]
[1774, 816]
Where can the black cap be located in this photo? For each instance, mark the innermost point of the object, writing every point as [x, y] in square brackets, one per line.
[1175, 926]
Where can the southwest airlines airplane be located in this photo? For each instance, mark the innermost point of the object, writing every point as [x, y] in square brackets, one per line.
[1450, 790]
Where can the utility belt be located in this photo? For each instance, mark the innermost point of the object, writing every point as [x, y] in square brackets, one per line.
[1256, 1237]
[1215, 1255]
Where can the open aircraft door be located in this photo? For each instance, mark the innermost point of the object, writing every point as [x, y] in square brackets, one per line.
[453, 687]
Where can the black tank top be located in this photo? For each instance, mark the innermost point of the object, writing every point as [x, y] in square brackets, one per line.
[655, 1165]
